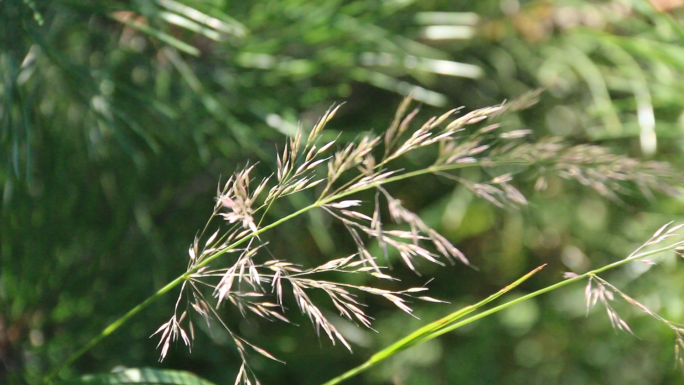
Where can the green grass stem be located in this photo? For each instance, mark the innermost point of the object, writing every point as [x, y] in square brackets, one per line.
[180, 279]
[447, 324]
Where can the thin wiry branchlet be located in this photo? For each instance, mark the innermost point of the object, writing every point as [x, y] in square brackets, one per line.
[595, 167]
[617, 322]
[242, 279]
[355, 221]
[601, 291]
[391, 133]
[238, 200]
[170, 331]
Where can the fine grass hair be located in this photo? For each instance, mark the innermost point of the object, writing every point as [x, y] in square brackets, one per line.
[230, 264]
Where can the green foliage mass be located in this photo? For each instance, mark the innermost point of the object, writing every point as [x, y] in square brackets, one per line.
[118, 119]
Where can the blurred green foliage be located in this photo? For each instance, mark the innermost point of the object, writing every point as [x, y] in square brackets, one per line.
[119, 118]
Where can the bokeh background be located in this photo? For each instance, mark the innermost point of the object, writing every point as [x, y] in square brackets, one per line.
[118, 118]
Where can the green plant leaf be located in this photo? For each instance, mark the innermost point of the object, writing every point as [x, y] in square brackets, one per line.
[142, 376]
[428, 332]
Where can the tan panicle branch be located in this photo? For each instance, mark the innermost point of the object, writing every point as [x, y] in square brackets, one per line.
[256, 286]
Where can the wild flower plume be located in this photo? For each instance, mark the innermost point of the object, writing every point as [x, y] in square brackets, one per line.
[229, 266]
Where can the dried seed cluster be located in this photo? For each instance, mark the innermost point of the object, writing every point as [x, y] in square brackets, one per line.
[245, 280]
[600, 291]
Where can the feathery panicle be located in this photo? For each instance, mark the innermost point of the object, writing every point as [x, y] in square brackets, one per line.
[244, 280]
[604, 294]
[601, 291]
